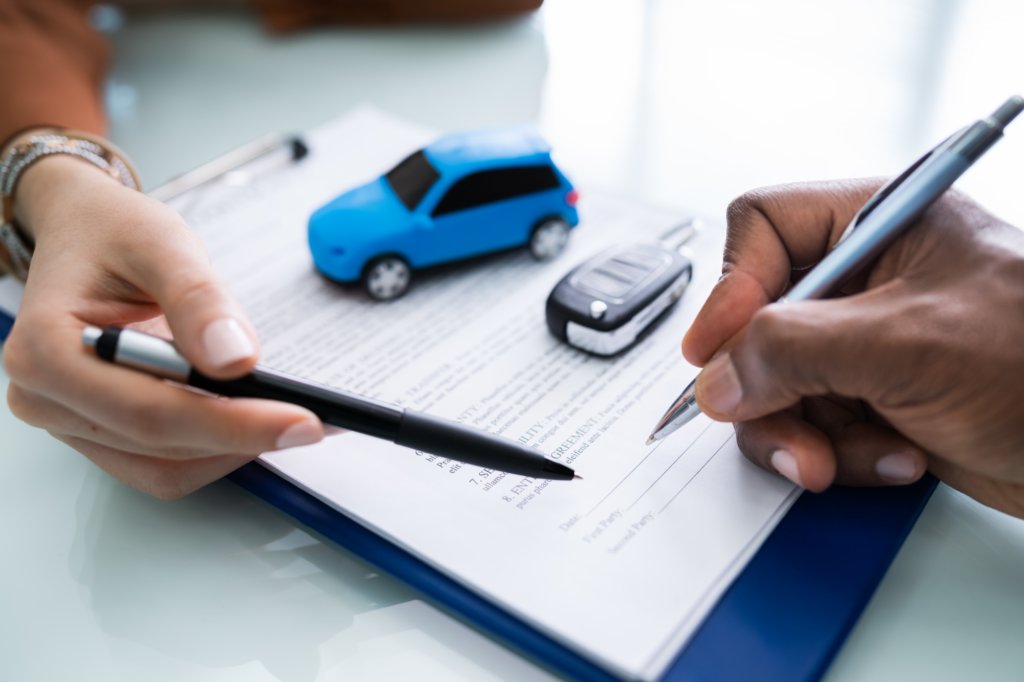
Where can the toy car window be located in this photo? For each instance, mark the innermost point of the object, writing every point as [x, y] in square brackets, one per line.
[412, 178]
[494, 185]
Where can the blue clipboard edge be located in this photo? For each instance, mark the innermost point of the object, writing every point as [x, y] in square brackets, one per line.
[6, 322]
[784, 618]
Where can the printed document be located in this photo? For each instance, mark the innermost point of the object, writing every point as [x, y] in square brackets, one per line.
[620, 566]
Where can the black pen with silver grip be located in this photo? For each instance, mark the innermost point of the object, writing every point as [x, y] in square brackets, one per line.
[887, 215]
[408, 428]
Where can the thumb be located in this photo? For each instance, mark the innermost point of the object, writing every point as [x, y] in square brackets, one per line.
[789, 351]
[208, 324]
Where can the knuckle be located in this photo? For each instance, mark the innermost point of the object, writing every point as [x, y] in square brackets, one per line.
[754, 202]
[770, 334]
[31, 359]
[12, 358]
[748, 445]
[22, 406]
[19, 360]
[743, 205]
[784, 347]
[749, 219]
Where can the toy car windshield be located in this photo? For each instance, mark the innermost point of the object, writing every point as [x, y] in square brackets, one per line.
[412, 179]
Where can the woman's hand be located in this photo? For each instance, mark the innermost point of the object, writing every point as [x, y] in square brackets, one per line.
[920, 365]
[106, 255]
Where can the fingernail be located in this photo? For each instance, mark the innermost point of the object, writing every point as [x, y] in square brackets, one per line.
[899, 467]
[305, 432]
[226, 342]
[785, 463]
[720, 385]
[332, 430]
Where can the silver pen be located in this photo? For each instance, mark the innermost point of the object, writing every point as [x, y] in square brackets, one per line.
[889, 213]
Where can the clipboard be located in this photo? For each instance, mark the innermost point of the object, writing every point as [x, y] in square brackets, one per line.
[784, 618]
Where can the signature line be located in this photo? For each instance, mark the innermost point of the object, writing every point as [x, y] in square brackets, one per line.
[698, 472]
[669, 467]
[658, 445]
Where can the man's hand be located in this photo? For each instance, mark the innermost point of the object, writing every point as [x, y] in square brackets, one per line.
[106, 255]
[919, 364]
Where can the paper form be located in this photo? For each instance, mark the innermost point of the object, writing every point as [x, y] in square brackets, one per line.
[620, 566]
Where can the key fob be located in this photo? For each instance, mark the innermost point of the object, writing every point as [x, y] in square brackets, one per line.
[604, 305]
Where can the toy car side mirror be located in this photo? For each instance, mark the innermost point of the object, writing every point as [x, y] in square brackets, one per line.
[422, 221]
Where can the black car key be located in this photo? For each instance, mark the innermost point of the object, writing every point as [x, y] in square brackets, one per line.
[604, 305]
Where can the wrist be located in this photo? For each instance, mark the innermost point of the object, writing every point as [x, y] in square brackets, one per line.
[30, 154]
[50, 184]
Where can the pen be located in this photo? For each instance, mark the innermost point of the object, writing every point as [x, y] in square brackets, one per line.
[223, 165]
[408, 428]
[892, 210]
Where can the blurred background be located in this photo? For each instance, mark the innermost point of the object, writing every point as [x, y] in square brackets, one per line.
[680, 103]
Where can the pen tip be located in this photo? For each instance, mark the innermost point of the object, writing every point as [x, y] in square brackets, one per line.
[575, 476]
[559, 472]
[651, 439]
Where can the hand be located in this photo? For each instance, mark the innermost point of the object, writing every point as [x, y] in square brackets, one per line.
[106, 255]
[917, 365]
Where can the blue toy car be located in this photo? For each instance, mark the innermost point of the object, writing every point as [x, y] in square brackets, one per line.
[465, 195]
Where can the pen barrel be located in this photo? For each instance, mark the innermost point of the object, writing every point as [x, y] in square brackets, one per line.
[452, 440]
[431, 435]
[978, 140]
[331, 406]
[139, 351]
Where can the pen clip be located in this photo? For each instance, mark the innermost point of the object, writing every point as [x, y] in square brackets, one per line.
[880, 196]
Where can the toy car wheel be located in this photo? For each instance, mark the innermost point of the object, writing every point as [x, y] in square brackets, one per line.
[387, 278]
[549, 238]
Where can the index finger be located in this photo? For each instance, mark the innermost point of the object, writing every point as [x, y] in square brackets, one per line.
[771, 233]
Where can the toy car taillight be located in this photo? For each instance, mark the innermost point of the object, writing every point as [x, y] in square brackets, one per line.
[572, 197]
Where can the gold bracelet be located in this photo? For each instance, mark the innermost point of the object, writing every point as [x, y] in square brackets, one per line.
[15, 248]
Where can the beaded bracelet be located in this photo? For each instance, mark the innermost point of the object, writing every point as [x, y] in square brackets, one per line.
[15, 249]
